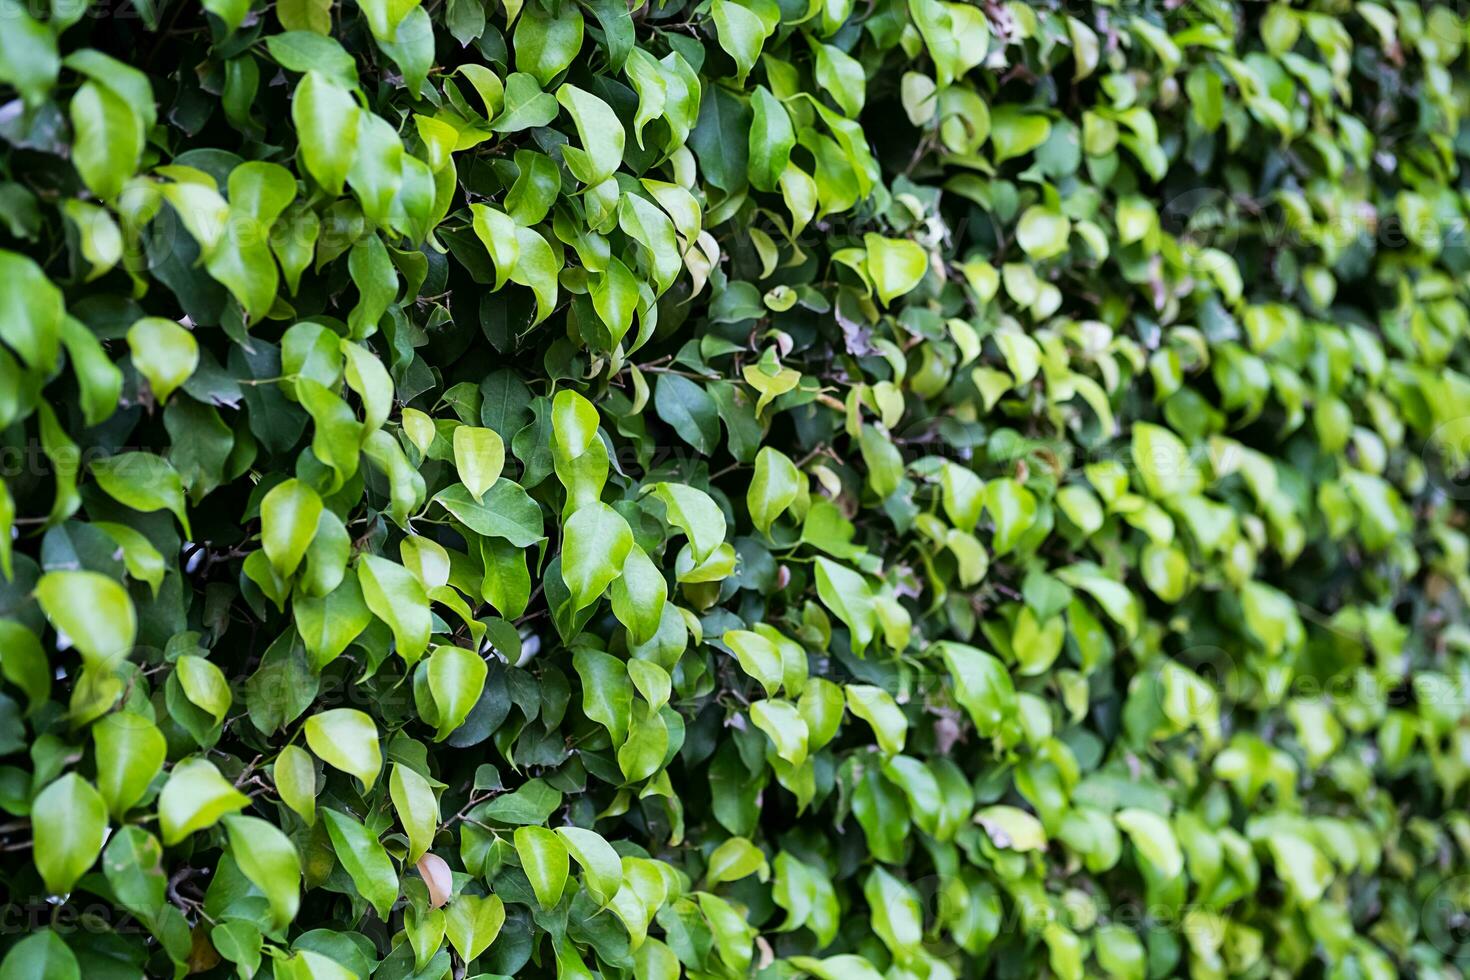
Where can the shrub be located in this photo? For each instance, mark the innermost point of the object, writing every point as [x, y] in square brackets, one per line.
[888, 489]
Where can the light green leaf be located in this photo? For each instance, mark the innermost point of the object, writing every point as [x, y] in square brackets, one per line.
[269, 859]
[130, 751]
[456, 677]
[741, 32]
[398, 599]
[325, 115]
[1012, 828]
[31, 312]
[877, 707]
[595, 544]
[472, 922]
[784, 725]
[69, 823]
[895, 265]
[346, 739]
[1154, 838]
[1042, 232]
[774, 487]
[602, 868]
[164, 352]
[108, 139]
[93, 611]
[195, 797]
[544, 859]
[204, 685]
[758, 656]
[288, 522]
[143, 481]
[28, 59]
[639, 595]
[294, 773]
[599, 131]
[695, 513]
[479, 456]
[417, 808]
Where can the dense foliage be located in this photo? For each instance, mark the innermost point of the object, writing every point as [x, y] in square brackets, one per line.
[898, 489]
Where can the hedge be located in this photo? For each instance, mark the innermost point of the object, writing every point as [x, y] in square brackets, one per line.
[883, 490]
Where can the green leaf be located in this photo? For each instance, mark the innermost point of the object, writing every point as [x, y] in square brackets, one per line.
[195, 797]
[288, 522]
[364, 859]
[1042, 232]
[842, 76]
[28, 60]
[774, 487]
[133, 866]
[384, 16]
[759, 657]
[638, 596]
[1154, 838]
[532, 803]
[472, 923]
[692, 511]
[294, 774]
[982, 686]
[43, 955]
[1015, 132]
[545, 42]
[143, 481]
[268, 858]
[31, 312]
[232, 12]
[877, 707]
[505, 511]
[326, 117]
[1164, 462]
[398, 599]
[595, 543]
[417, 808]
[108, 139]
[742, 32]
[544, 859]
[895, 265]
[526, 106]
[688, 407]
[602, 868]
[93, 611]
[164, 352]
[607, 691]
[1012, 828]
[327, 625]
[130, 751]
[23, 663]
[734, 859]
[456, 677]
[785, 726]
[204, 685]
[479, 454]
[846, 593]
[599, 131]
[346, 739]
[69, 824]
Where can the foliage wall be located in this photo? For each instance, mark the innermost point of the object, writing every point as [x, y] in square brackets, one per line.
[856, 489]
